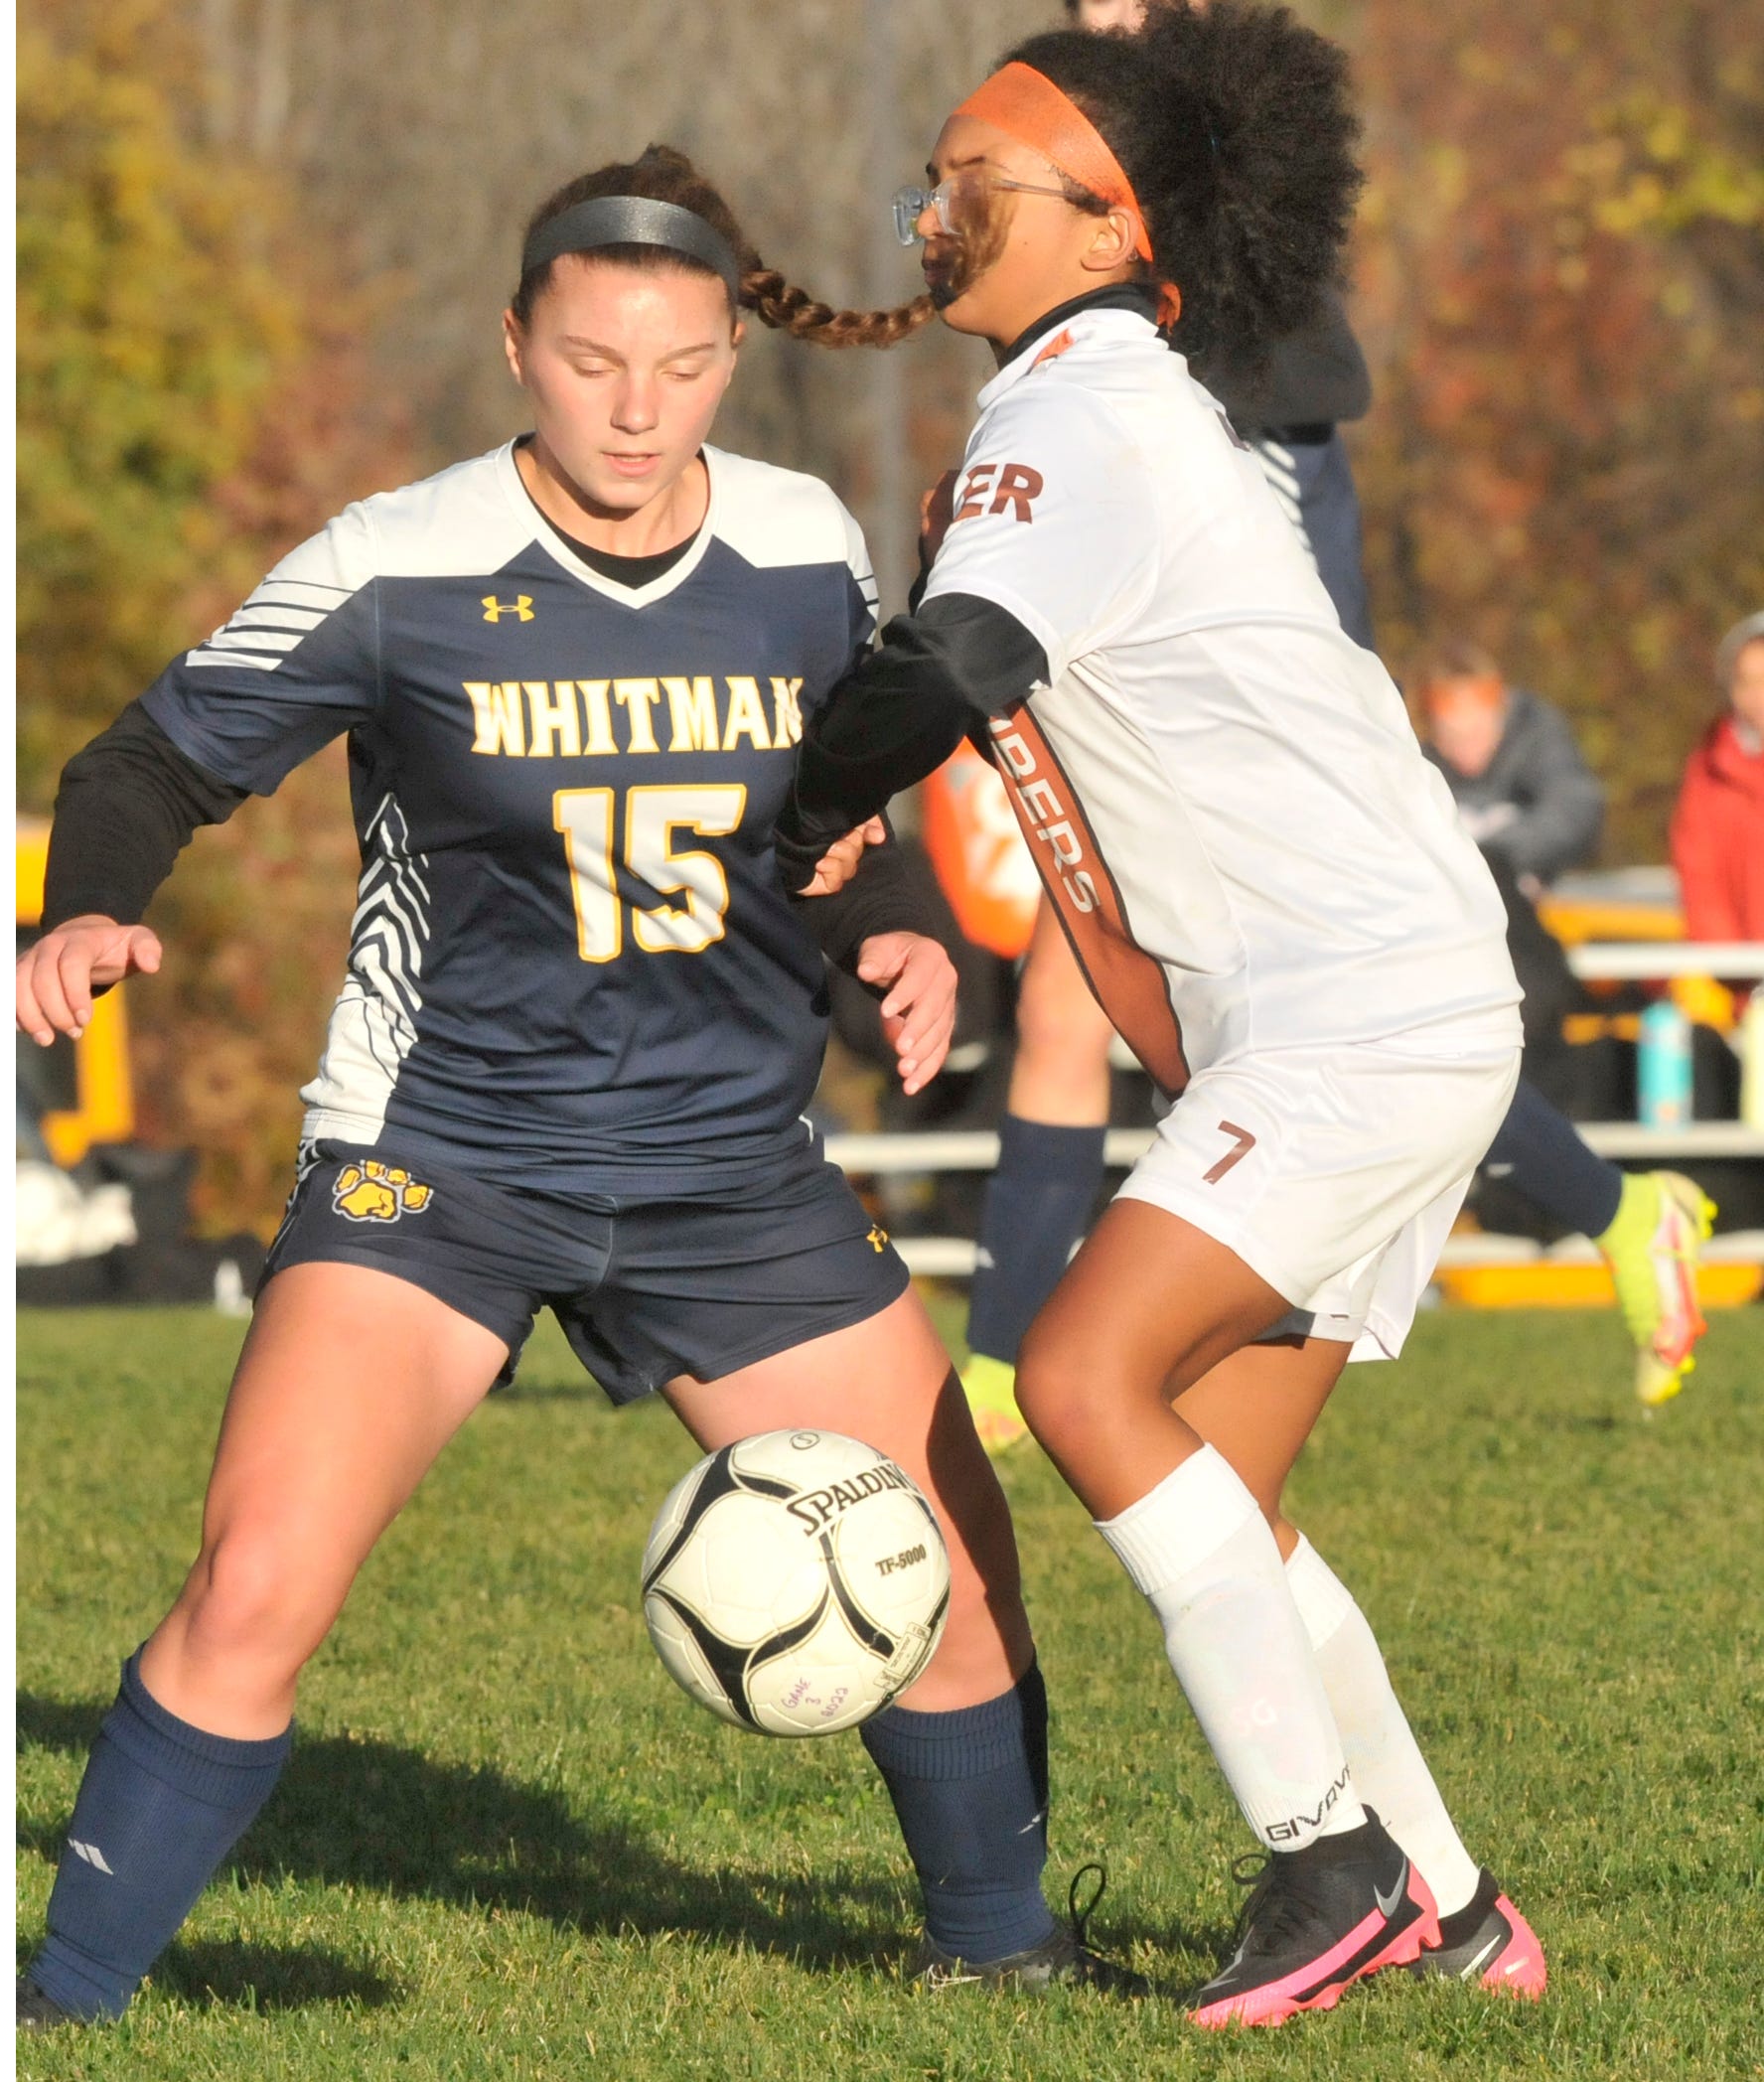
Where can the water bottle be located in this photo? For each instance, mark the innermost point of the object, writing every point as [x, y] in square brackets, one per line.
[1751, 1060]
[1663, 1066]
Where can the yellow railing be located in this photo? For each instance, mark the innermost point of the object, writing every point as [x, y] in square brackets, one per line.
[104, 1104]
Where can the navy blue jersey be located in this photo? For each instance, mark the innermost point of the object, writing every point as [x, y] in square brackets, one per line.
[572, 965]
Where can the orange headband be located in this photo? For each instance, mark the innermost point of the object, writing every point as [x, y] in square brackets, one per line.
[1027, 105]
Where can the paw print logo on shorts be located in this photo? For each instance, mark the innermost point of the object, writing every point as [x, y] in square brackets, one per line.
[376, 1192]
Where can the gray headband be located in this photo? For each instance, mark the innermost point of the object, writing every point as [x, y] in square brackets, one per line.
[633, 221]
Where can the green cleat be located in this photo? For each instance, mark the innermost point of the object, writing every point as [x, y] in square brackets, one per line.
[1651, 1246]
[990, 1387]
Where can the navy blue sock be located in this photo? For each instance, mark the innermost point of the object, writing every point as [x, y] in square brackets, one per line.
[970, 1789]
[159, 1806]
[1037, 1205]
[1539, 1154]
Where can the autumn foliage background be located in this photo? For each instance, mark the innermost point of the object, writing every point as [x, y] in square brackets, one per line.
[263, 248]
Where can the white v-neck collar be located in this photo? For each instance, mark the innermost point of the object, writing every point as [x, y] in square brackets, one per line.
[549, 539]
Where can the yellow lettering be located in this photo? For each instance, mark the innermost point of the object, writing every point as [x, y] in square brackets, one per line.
[638, 697]
[600, 743]
[554, 724]
[786, 715]
[692, 704]
[746, 716]
[496, 711]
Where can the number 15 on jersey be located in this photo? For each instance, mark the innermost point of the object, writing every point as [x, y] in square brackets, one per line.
[586, 816]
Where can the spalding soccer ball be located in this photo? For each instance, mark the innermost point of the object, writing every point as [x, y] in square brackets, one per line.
[795, 1582]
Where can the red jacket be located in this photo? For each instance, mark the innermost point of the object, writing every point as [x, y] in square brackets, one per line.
[1717, 839]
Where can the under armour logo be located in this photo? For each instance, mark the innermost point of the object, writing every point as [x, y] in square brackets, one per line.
[91, 1854]
[521, 607]
[877, 1239]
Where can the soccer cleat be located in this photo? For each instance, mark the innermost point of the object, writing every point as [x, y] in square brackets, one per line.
[1318, 1920]
[990, 1387]
[1488, 1940]
[1661, 1221]
[38, 2012]
[1063, 1959]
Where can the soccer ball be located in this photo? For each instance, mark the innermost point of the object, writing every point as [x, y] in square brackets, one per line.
[795, 1582]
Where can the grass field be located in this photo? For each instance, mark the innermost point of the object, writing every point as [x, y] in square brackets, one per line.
[509, 1848]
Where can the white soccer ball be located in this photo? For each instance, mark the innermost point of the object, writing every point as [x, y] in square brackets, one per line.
[795, 1582]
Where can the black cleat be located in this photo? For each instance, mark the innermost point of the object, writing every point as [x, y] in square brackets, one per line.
[1318, 1920]
[1489, 1942]
[1064, 1959]
[38, 2012]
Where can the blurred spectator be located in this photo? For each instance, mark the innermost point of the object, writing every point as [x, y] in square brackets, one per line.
[1522, 789]
[1717, 828]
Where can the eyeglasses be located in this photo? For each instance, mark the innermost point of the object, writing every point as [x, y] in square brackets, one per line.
[910, 204]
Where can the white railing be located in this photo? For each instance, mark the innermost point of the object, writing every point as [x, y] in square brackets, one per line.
[875, 1156]
[1644, 961]
[953, 1257]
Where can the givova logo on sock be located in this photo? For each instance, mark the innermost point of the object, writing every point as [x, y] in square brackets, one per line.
[1296, 1827]
[376, 1192]
[91, 1854]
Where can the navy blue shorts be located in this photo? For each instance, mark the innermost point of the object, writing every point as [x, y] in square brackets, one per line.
[645, 1292]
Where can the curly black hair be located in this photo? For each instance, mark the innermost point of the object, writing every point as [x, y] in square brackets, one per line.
[1235, 125]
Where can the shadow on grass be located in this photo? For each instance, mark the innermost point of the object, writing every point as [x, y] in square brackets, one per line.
[368, 1815]
[266, 1978]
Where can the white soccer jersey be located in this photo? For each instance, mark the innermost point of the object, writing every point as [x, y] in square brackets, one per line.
[1220, 789]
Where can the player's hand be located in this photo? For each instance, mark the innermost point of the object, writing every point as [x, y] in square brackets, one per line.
[935, 510]
[57, 976]
[838, 863]
[919, 1011]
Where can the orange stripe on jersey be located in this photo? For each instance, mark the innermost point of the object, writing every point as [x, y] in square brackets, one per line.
[1125, 981]
[1055, 348]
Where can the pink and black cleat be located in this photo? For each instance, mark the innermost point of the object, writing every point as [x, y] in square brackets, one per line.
[1320, 1919]
[1489, 1942]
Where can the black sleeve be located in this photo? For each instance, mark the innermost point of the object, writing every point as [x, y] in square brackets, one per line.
[884, 896]
[899, 713]
[128, 804]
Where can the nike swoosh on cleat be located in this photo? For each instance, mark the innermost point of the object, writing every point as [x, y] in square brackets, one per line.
[1388, 1905]
[1483, 1958]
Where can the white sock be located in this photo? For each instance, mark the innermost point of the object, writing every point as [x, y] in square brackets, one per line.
[1200, 1550]
[1388, 1769]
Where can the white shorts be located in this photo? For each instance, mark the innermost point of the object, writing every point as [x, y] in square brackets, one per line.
[1335, 1172]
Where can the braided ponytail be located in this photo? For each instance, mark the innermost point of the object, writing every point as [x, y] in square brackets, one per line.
[663, 175]
[776, 303]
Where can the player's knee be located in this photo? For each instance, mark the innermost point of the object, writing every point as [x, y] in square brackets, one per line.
[1060, 1030]
[250, 1596]
[1047, 1370]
